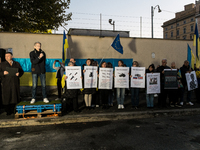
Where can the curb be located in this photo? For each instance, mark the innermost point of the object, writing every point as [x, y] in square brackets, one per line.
[5, 123]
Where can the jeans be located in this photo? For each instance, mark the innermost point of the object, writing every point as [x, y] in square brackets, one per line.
[110, 97]
[120, 95]
[43, 84]
[135, 96]
[150, 99]
[188, 94]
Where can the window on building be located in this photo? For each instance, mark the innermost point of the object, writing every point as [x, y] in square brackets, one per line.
[184, 22]
[192, 28]
[172, 27]
[192, 19]
[166, 35]
[172, 34]
[177, 32]
[177, 24]
[165, 29]
[184, 30]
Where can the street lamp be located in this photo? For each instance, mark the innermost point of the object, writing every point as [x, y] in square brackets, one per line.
[152, 14]
[110, 21]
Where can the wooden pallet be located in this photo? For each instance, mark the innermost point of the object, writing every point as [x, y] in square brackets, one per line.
[34, 114]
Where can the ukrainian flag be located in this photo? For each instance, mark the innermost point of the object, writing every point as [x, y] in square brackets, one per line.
[190, 57]
[65, 46]
[196, 43]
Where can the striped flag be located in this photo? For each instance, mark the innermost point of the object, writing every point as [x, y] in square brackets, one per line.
[65, 46]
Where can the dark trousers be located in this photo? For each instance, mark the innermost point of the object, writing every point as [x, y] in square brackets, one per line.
[173, 96]
[70, 104]
[162, 97]
[59, 86]
[103, 96]
[197, 92]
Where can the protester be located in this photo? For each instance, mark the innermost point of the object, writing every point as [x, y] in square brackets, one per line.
[164, 92]
[73, 60]
[173, 93]
[120, 91]
[88, 91]
[135, 91]
[70, 97]
[103, 93]
[197, 91]
[10, 72]
[59, 74]
[110, 92]
[38, 59]
[185, 69]
[150, 97]
[95, 95]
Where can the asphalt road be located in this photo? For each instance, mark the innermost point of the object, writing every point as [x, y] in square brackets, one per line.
[166, 133]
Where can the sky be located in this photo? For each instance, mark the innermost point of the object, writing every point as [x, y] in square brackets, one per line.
[129, 15]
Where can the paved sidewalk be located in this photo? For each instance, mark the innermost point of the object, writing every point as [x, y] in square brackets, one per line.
[99, 114]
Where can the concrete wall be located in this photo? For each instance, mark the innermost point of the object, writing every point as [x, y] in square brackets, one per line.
[83, 47]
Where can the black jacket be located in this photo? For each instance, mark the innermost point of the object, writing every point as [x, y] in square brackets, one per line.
[38, 65]
[184, 70]
[162, 77]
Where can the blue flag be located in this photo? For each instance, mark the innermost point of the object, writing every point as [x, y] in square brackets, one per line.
[189, 56]
[117, 45]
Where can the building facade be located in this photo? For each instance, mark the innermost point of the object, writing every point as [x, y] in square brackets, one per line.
[183, 25]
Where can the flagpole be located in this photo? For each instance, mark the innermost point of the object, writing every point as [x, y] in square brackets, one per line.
[104, 56]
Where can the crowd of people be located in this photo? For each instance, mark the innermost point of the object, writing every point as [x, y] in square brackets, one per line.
[93, 97]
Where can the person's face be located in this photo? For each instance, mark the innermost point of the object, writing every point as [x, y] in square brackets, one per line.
[8, 57]
[186, 63]
[164, 62]
[37, 46]
[150, 68]
[72, 60]
[120, 64]
[103, 65]
[173, 65]
[88, 62]
[71, 65]
[134, 64]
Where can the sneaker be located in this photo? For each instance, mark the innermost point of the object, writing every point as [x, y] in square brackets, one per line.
[155, 95]
[181, 103]
[190, 103]
[97, 105]
[32, 101]
[119, 106]
[57, 99]
[122, 106]
[45, 100]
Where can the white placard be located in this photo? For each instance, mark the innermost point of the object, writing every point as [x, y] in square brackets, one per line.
[121, 77]
[191, 80]
[90, 77]
[73, 74]
[138, 77]
[153, 83]
[105, 78]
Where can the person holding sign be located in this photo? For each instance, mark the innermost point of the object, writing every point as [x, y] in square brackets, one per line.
[88, 91]
[150, 97]
[135, 91]
[185, 69]
[164, 92]
[10, 72]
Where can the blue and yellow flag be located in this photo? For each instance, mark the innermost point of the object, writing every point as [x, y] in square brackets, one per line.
[190, 57]
[117, 45]
[196, 44]
[65, 46]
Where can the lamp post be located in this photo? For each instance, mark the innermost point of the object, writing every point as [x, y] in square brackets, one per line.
[110, 21]
[152, 14]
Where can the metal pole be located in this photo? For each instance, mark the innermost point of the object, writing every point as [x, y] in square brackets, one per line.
[152, 21]
[100, 25]
[140, 26]
[113, 25]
